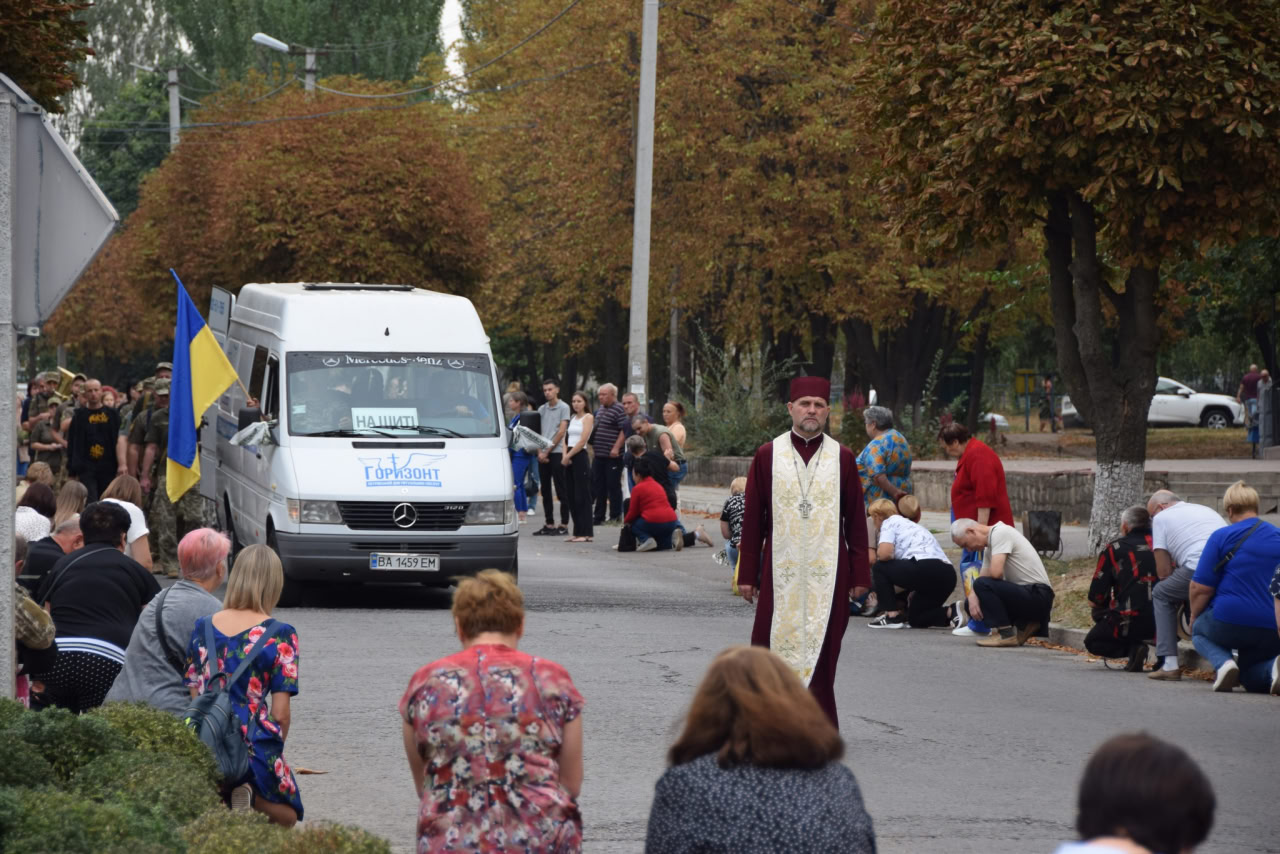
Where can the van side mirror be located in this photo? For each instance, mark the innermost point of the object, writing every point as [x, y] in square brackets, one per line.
[248, 415]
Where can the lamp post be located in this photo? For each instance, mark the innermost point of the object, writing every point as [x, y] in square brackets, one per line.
[309, 63]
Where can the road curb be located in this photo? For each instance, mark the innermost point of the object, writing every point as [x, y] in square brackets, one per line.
[1074, 638]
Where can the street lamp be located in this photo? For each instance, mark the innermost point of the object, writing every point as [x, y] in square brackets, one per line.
[309, 65]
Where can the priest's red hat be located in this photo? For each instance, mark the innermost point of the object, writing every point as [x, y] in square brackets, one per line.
[810, 387]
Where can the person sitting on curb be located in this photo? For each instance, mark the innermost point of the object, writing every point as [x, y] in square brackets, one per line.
[1121, 593]
[1012, 593]
[910, 567]
[1231, 608]
[154, 664]
[1141, 795]
[1179, 531]
[650, 516]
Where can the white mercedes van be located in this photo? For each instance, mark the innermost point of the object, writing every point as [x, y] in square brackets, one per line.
[386, 455]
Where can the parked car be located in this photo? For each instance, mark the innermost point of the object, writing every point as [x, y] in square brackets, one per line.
[985, 419]
[1177, 405]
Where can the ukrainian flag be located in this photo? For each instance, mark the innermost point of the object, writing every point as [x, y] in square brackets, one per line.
[201, 373]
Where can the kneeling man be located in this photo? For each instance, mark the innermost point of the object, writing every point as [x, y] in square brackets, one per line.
[1012, 594]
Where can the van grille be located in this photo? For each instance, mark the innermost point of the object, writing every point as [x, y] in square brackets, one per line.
[379, 515]
[408, 548]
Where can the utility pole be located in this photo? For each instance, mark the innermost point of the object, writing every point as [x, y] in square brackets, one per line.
[175, 109]
[8, 376]
[638, 348]
[309, 66]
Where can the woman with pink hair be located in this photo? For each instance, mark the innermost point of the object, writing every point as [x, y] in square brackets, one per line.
[155, 660]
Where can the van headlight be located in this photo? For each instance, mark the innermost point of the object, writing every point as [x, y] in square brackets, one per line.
[315, 512]
[491, 513]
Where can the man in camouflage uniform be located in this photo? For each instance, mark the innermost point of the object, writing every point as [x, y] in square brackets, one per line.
[139, 419]
[170, 522]
[47, 444]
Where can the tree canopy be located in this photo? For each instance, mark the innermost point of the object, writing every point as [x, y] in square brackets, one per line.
[265, 192]
[41, 41]
[1128, 133]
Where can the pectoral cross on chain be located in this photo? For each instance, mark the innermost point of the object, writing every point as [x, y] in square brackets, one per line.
[805, 507]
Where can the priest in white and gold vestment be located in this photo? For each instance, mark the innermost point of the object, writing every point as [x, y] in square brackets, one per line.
[804, 542]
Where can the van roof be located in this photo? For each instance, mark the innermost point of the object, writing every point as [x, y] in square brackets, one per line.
[361, 317]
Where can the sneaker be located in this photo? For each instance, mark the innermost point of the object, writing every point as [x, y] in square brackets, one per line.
[958, 618]
[547, 531]
[887, 622]
[241, 798]
[1228, 676]
[677, 540]
[562, 529]
[971, 629]
[1275, 677]
[1137, 658]
[998, 640]
[870, 606]
[647, 545]
[1162, 675]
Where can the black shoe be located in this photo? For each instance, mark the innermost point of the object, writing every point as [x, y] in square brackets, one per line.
[544, 531]
[1137, 658]
[563, 529]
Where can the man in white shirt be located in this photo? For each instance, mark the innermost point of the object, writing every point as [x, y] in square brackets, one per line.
[1179, 530]
[555, 421]
[1012, 595]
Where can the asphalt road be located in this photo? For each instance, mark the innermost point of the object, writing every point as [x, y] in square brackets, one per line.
[957, 748]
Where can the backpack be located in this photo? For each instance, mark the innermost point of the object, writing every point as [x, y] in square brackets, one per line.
[212, 715]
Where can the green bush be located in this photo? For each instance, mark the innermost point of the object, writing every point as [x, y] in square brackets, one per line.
[156, 731]
[52, 820]
[10, 711]
[170, 785]
[738, 409]
[65, 740]
[334, 838]
[220, 831]
[22, 765]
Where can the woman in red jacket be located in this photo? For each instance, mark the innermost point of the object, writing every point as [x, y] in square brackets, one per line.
[977, 493]
[650, 515]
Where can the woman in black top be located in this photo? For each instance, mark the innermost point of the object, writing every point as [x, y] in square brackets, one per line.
[757, 769]
[95, 595]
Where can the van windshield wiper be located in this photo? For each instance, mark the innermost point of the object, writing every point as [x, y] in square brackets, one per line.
[431, 430]
[364, 431]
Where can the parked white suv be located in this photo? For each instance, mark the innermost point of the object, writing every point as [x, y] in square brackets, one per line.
[1178, 405]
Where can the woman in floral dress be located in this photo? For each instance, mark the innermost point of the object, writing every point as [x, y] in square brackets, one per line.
[494, 735]
[261, 697]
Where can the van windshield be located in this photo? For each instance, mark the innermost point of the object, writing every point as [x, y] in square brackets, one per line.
[398, 394]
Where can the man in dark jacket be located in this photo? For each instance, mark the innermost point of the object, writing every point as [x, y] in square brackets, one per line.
[43, 554]
[91, 442]
[1121, 593]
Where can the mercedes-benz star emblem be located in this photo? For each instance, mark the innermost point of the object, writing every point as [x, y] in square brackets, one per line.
[404, 515]
[331, 361]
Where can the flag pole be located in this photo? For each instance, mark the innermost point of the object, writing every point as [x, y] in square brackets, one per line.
[239, 381]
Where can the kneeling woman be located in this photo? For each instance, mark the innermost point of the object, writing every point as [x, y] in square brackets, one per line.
[650, 516]
[252, 593]
[908, 559]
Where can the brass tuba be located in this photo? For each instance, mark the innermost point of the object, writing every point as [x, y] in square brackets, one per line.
[64, 385]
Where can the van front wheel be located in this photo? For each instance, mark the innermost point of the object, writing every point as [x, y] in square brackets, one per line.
[291, 591]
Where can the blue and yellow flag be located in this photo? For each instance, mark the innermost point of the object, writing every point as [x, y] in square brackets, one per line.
[201, 373]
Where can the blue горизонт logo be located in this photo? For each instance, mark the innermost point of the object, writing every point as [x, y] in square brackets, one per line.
[414, 470]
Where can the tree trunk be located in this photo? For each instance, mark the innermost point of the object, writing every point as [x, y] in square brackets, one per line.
[1109, 373]
[822, 348]
[977, 379]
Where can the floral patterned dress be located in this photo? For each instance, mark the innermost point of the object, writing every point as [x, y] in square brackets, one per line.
[887, 454]
[275, 668]
[490, 722]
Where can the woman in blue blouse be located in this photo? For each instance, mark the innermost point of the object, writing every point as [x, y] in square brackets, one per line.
[885, 463]
[1231, 605]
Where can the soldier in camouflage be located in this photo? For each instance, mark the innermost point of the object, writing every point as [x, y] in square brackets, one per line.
[170, 521]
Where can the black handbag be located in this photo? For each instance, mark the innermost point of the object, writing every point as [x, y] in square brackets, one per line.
[626, 539]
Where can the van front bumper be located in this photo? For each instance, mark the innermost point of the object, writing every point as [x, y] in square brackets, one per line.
[345, 557]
